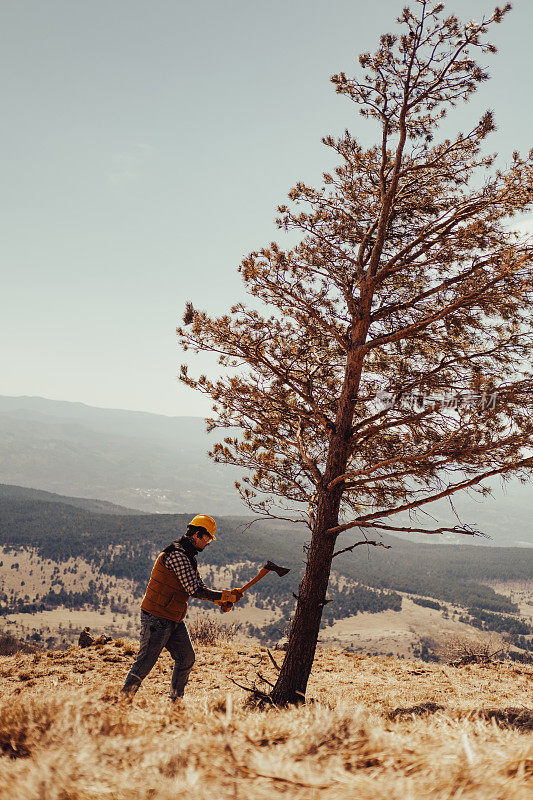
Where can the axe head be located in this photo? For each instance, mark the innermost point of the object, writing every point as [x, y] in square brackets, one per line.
[274, 568]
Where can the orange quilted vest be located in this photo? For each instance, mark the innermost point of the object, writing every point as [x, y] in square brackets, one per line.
[165, 596]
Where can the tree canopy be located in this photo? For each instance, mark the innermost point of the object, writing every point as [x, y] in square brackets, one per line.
[394, 365]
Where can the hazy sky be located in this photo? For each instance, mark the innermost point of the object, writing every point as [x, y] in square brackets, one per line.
[145, 147]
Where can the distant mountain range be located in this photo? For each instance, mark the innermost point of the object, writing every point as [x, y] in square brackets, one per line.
[22, 493]
[159, 464]
[145, 461]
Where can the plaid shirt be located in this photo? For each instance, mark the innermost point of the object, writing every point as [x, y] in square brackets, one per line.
[189, 578]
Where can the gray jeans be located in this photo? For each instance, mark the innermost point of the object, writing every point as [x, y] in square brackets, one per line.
[157, 633]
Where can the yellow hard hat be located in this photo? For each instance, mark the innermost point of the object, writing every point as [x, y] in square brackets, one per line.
[203, 521]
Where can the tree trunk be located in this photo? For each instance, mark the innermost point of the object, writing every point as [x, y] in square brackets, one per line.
[294, 674]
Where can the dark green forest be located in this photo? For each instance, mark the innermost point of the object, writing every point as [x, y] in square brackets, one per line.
[451, 573]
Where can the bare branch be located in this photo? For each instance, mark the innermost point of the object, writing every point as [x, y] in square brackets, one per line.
[362, 521]
[466, 530]
[365, 541]
[271, 657]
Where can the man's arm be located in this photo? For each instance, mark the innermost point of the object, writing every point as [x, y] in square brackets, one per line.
[189, 579]
[207, 594]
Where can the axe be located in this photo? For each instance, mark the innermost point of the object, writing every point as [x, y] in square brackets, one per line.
[268, 567]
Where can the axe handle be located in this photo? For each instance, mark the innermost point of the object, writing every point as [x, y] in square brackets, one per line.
[261, 574]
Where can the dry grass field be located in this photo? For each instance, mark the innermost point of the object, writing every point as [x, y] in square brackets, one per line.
[395, 632]
[66, 733]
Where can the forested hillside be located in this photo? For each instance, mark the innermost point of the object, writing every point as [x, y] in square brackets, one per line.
[124, 546]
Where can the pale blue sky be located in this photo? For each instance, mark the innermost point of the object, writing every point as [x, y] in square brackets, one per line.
[145, 147]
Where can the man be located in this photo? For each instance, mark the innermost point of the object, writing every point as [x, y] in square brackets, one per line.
[173, 580]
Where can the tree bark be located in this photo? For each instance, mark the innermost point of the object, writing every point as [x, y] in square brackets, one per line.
[294, 674]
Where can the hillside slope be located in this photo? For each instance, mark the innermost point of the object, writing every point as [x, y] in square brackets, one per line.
[63, 567]
[10, 492]
[125, 546]
[159, 464]
[66, 733]
[145, 461]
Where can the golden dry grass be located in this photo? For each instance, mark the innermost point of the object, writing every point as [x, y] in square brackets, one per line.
[66, 733]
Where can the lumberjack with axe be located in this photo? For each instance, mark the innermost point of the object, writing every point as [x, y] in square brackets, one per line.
[173, 580]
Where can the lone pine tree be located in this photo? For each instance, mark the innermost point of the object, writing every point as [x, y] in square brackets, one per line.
[408, 287]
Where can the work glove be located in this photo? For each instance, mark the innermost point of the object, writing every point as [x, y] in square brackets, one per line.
[225, 607]
[231, 597]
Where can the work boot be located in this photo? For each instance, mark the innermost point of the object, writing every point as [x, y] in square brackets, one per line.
[130, 689]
